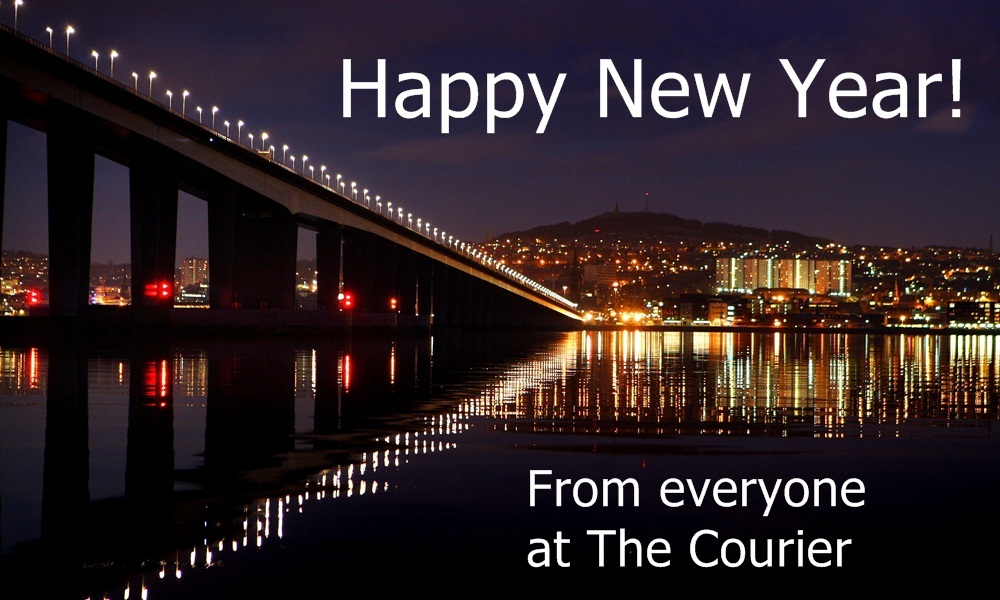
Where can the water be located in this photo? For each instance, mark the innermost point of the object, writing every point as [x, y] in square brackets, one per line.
[247, 467]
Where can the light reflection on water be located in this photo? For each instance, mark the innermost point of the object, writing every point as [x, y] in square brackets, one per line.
[211, 449]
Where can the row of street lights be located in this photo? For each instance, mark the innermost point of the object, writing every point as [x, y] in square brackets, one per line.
[396, 215]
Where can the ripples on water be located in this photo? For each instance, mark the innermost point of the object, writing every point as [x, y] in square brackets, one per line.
[148, 468]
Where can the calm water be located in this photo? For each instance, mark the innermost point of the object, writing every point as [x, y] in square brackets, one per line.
[289, 468]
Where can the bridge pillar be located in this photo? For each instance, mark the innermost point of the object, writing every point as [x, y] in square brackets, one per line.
[406, 281]
[71, 203]
[153, 201]
[424, 269]
[251, 251]
[329, 248]
[3, 163]
[385, 284]
[359, 268]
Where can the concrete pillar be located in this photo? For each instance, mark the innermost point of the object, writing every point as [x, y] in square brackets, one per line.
[329, 247]
[153, 201]
[3, 164]
[406, 281]
[359, 268]
[425, 306]
[251, 251]
[221, 246]
[384, 287]
[71, 204]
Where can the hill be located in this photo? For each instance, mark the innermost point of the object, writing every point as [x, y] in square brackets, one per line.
[657, 226]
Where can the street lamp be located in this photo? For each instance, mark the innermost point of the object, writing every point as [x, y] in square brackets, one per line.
[263, 138]
[250, 135]
[49, 30]
[354, 191]
[17, 3]
[170, 100]
[198, 108]
[340, 185]
[226, 123]
[322, 172]
[135, 76]
[378, 204]
[215, 109]
[312, 173]
[293, 161]
[152, 76]
[69, 30]
[95, 55]
[184, 97]
[239, 131]
[284, 152]
[114, 55]
[328, 180]
[366, 197]
[304, 159]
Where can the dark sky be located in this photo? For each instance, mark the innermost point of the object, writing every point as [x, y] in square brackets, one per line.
[278, 66]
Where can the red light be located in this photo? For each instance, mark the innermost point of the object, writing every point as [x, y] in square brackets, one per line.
[163, 289]
[347, 301]
[34, 298]
[392, 303]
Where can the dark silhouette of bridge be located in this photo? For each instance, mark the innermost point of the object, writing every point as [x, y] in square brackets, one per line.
[256, 206]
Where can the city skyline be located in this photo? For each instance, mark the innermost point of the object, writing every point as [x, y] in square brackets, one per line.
[933, 179]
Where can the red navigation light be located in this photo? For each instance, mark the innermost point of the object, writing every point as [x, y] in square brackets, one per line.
[347, 301]
[34, 298]
[392, 303]
[162, 289]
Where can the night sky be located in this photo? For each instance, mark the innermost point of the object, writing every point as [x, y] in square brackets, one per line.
[278, 66]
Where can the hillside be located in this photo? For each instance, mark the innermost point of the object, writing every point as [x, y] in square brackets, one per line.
[657, 226]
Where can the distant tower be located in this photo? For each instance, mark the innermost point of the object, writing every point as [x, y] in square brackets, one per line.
[647, 201]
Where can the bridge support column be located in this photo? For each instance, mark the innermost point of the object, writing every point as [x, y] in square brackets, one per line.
[329, 248]
[71, 204]
[406, 281]
[359, 268]
[3, 163]
[251, 252]
[425, 306]
[153, 201]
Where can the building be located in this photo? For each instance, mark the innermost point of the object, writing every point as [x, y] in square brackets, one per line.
[745, 274]
[194, 271]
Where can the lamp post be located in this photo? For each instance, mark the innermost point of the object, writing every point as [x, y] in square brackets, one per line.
[114, 55]
[152, 76]
[239, 131]
[226, 123]
[215, 109]
[69, 31]
[322, 173]
[17, 3]
[49, 30]
[198, 108]
[328, 180]
[170, 100]
[284, 152]
[184, 97]
[293, 161]
[312, 173]
[304, 159]
[354, 191]
[95, 55]
[263, 140]
[135, 76]
[250, 135]
[365, 194]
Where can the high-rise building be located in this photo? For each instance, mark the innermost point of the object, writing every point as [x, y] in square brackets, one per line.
[193, 271]
[744, 274]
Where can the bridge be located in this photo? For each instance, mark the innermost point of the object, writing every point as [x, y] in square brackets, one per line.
[256, 206]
